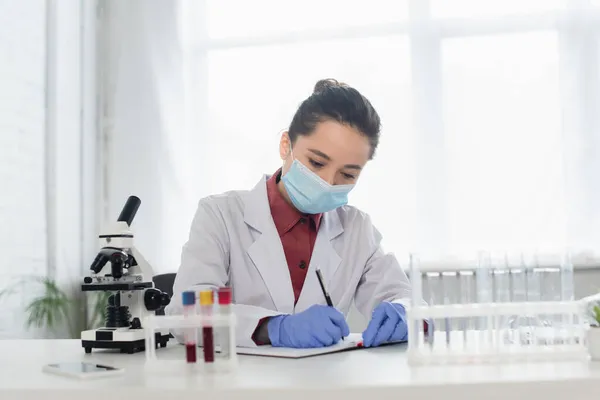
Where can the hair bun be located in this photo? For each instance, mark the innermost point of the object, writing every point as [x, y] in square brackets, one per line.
[325, 84]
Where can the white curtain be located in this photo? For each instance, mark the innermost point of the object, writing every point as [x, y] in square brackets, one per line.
[22, 151]
[490, 139]
[144, 126]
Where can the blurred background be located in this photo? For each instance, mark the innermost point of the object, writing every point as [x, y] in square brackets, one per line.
[490, 140]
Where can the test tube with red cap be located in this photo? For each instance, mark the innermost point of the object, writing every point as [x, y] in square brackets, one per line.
[189, 309]
[206, 305]
[224, 311]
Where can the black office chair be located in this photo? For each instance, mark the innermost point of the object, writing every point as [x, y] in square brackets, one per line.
[164, 282]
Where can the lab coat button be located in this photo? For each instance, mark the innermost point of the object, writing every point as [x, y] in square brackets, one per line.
[302, 265]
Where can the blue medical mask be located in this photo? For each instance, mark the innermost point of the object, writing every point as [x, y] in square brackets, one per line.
[309, 193]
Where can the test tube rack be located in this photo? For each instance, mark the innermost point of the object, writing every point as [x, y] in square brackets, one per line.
[225, 358]
[489, 331]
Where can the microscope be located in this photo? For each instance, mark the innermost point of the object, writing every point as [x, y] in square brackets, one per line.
[130, 278]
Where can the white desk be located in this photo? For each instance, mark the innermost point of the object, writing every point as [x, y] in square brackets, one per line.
[368, 374]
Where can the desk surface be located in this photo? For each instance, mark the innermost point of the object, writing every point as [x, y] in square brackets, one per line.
[360, 374]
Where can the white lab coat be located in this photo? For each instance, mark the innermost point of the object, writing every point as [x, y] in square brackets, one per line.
[233, 241]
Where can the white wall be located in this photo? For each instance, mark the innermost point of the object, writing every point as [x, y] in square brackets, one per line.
[22, 144]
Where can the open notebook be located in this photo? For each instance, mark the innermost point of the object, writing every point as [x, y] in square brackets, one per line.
[351, 342]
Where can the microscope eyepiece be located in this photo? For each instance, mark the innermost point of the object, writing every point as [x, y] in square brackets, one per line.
[129, 209]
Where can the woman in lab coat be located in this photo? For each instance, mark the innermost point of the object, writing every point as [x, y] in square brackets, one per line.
[266, 243]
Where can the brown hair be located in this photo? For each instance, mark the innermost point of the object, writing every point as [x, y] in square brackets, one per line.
[336, 101]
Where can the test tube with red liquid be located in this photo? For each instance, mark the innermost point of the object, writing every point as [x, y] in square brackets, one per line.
[189, 309]
[225, 311]
[206, 305]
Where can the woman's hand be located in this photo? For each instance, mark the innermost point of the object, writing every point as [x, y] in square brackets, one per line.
[388, 324]
[317, 326]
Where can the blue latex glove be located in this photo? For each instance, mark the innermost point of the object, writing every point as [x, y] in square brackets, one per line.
[318, 326]
[388, 324]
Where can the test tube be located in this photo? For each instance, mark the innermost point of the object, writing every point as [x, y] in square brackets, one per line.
[551, 291]
[189, 301]
[566, 271]
[434, 286]
[448, 289]
[225, 311]
[567, 295]
[517, 325]
[416, 326]
[484, 296]
[533, 283]
[467, 283]
[206, 305]
[501, 294]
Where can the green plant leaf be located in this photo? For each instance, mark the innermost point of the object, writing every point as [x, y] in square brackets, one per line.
[50, 308]
[18, 285]
[597, 313]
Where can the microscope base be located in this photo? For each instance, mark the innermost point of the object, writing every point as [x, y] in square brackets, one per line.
[131, 341]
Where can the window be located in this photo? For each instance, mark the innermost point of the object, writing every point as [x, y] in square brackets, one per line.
[504, 141]
[240, 18]
[477, 8]
[481, 145]
[22, 150]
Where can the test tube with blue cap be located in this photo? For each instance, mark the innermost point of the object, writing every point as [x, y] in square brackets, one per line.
[189, 310]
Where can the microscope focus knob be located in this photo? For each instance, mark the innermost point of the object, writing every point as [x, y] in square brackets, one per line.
[154, 299]
[136, 324]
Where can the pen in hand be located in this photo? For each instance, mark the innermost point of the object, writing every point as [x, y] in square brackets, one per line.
[325, 292]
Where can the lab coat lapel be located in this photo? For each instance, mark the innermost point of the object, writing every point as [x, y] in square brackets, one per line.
[323, 257]
[266, 252]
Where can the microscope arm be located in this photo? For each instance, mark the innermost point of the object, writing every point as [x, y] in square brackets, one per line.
[142, 266]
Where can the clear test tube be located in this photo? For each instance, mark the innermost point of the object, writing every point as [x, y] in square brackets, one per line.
[435, 289]
[501, 284]
[551, 291]
[417, 327]
[484, 296]
[206, 308]
[533, 281]
[225, 341]
[189, 310]
[467, 289]
[449, 287]
[567, 283]
[567, 295]
[518, 324]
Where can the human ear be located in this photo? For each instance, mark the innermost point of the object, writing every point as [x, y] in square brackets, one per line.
[284, 146]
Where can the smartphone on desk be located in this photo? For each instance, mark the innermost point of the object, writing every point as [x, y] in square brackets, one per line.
[82, 370]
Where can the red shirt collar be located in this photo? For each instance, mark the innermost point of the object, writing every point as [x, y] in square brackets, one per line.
[284, 214]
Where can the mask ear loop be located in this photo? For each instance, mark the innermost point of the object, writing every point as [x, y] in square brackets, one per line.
[291, 152]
